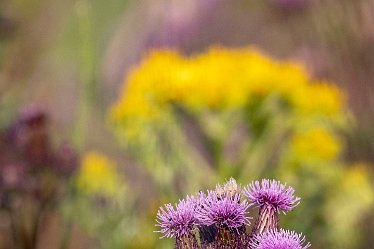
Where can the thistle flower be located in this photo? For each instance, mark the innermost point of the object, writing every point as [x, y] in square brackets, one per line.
[218, 219]
[273, 193]
[282, 239]
[226, 211]
[178, 222]
[270, 196]
[230, 188]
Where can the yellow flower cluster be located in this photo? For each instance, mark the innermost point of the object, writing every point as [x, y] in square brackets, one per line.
[219, 78]
[97, 175]
[231, 79]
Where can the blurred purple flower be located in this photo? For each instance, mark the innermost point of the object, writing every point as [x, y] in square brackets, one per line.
[271, 192]
[29, 135]
[223, 211]
[32, 171]
[177, 222]
[282, 239]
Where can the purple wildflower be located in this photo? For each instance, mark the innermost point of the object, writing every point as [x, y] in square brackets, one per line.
[281, 239]
[223, 211]
[273, 193]
[177, 222]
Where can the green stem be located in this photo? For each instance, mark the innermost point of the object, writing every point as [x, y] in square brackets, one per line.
[84, 11]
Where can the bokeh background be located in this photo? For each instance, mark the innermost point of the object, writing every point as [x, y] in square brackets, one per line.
[79, 171]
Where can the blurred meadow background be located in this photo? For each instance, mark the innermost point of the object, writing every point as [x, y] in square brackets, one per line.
[108, 109]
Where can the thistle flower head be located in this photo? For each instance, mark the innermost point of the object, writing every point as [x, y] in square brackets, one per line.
[271, 192]
[282, 239]
[230, 188]
[177, 222]
[224, 211]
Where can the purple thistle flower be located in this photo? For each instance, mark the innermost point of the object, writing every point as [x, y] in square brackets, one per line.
[273, 193]
[179, 222]
[223, 211]
[282, 239]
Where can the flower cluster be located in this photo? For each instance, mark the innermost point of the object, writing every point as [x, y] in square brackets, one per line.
[219, 219]
[219, 79]
[29, 163]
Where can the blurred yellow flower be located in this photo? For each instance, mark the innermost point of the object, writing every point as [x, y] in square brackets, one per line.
[97, 175]
[315, 144]
[219, 78]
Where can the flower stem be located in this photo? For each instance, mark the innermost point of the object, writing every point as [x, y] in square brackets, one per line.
[267, 220]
